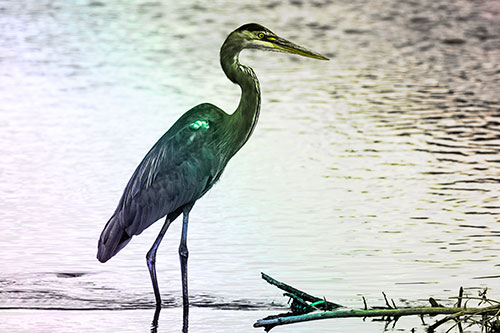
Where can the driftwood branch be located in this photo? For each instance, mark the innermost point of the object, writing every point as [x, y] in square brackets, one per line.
[299, 294]
[308, 307]
[400, 312]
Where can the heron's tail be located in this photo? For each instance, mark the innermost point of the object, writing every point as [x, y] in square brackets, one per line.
[113, 239]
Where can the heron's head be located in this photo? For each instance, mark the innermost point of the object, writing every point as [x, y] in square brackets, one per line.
[255, 36]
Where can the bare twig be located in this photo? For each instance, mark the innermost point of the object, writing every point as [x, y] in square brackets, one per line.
[386, 301]
[460, 294]
[299, 293]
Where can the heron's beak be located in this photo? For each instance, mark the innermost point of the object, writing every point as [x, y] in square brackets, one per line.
[284, 45]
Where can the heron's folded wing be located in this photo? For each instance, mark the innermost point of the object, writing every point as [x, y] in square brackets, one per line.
[176, 171]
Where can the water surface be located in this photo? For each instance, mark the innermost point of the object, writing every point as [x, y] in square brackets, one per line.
[375, 171]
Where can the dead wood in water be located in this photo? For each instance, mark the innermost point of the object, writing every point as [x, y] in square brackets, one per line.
[306, 307]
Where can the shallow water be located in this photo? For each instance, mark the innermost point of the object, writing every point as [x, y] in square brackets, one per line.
[375, 171]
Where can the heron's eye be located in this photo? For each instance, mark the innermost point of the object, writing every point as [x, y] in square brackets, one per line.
[260, 35]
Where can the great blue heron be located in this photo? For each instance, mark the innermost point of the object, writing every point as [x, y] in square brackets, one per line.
[191, 156]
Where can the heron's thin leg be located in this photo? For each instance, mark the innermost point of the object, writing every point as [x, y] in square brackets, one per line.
[183, 256]
[151, 260]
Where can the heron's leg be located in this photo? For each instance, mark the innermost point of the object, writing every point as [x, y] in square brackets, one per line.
[183, 256]
[151, 260]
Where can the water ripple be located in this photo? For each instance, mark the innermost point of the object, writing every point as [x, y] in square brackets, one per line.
[42, 291]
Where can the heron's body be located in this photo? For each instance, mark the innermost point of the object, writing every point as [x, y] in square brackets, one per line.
[191, 156]
[167, 179]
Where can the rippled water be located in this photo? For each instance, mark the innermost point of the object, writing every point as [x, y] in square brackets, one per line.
[376, 171]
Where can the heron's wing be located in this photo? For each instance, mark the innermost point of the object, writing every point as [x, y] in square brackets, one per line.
[178, 170]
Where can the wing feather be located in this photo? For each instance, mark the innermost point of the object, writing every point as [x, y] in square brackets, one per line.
[175, 172]
[181, 167]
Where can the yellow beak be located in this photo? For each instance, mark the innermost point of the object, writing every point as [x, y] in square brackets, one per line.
[284, 45]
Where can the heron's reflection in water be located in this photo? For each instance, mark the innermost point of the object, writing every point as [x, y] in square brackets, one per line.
[154, 323]
[156, 317]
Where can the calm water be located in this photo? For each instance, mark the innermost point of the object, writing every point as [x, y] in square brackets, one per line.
[376, 171]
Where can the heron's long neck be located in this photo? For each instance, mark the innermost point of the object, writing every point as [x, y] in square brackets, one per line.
[244, 119]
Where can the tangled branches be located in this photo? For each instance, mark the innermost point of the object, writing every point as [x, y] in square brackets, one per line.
[305, 307]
